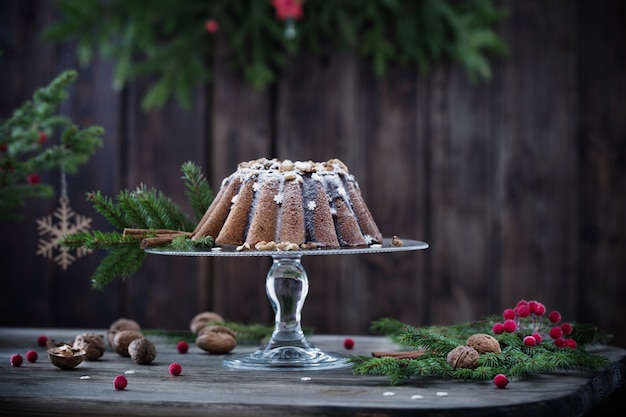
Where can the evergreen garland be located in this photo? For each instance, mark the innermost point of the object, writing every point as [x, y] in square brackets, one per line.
[142, 208]
[515, 360]
[174, 42]
[25, 151]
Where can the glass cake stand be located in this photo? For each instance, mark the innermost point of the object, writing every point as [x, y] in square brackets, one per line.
[287, 286]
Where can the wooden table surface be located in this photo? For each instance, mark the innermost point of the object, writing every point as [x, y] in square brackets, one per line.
[207, 388]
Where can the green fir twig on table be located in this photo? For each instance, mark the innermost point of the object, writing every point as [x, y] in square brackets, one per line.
[515, 360]
[143, 208]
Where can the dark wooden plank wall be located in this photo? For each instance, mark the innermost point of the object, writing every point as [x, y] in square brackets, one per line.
[518, 183]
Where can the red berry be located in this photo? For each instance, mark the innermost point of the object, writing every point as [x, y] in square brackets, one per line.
[120, 382]
[556, 332]
[570, 343]
[567, 328]
[560, 342]
[348, 343]
[500, 380]
[42, 340]
[537, 337]
[541, 310]
[554, 316]
[498, 328]
[523, 310]
[32, 356]
[182, 346]
[33, 179]
[16, 360]
[211, 26]
[510, 326]
[175, 369]
[42, 136]
[508, 314]
[530, 341]
[532, 306]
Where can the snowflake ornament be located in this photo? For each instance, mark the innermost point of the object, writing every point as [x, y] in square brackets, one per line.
[51, 233]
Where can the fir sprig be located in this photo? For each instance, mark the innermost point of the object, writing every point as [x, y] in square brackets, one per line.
[515, 359]
[168, 41]
[197, 189]
[25, 148]
[143, 208]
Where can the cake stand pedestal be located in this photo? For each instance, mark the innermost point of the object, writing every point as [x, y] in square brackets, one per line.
[287, 285]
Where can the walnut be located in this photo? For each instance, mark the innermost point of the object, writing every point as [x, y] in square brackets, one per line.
[122, 340]
[483, 343]
[217, 339]
[66, 357]
[202, 319]
[119, 325]
[92, 343]
[463, 357]
[142, 351]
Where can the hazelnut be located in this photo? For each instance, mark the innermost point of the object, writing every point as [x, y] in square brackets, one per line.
[483, 343]
[66, 357]
[119, 325]
[92, 343]
[142, 351]
[463, 357]
[122, 340]
[202, 319]
[217, 339]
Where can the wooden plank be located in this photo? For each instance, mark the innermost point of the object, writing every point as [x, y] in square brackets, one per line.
[602, 178]
[538, 164]
[205, 387]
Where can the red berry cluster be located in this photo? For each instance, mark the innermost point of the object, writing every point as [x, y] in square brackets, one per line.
[528, 320]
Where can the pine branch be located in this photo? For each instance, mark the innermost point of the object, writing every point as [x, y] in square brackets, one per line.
[197, 189]
[108, 209]
[120, 262]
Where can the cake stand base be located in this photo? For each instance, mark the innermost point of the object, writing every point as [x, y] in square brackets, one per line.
[287, 285]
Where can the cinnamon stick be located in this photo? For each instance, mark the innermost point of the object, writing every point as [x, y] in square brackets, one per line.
[412, 354]
[150, 242]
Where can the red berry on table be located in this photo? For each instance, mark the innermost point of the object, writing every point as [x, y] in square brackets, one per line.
[32, 356]
[500, 380]
[175, 369]
[120, 382]
[348, 343]
[42, 340]
[16, 360]
[182, 346]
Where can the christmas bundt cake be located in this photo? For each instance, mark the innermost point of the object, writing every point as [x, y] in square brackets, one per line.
[309, 204]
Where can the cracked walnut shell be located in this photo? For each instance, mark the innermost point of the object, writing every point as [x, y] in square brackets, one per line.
[483, 343]
[463, 357]
[216, 339]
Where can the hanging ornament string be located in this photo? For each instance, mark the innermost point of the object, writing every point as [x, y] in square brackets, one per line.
[66, 222]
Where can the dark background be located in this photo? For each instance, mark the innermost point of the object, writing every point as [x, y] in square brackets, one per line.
[517, 183]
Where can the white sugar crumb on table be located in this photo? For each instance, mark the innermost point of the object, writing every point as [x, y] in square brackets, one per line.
[417, 397]
[389, 394]
[85, 377]
[305, 378]
[129, 372]
[442, 394]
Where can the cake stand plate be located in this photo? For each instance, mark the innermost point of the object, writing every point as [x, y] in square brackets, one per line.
[287, 286]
